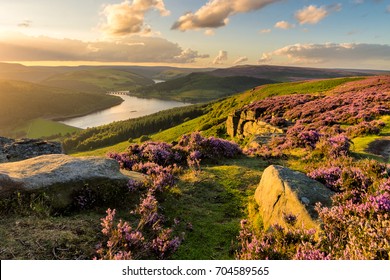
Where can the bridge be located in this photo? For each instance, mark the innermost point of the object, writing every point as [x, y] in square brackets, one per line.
[119, 92]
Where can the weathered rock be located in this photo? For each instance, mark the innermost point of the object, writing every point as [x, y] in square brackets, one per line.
[283, 191]
[15, 150]
[246, 123]
[60, 175]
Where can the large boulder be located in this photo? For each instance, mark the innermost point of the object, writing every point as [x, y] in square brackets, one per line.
[15, 150]
[60, 176]
[283, 191]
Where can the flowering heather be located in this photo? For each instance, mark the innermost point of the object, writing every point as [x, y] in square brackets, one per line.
[341, 178]
[209, 147]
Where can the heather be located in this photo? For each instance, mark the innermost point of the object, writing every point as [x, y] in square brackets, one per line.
[321, 130]
[194, 199]
[152, 237]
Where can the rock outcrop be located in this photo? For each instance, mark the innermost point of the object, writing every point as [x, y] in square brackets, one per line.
[246, 123]
[60, 175]
[283, 191]
[15, 150]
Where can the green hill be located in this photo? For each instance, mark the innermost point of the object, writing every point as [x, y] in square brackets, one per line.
[24, 101]
[98, 80]
[200, 87]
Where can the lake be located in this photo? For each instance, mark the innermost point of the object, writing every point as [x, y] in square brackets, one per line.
[131, 107]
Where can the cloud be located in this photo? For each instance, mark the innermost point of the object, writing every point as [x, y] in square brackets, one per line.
[240, 60]
[216, 13]
[265, 58]
[129, 18]
[313, 14]
[25, 24]
[265, 31]
[135, 49]
[344, 55]
[284, 25]
[209, 32]
[388, 9]
[221, 57]
[188, 56]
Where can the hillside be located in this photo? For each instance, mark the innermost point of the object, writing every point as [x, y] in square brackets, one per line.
[200, 87]
[24, 101]
[201, 188]
[288, 73]
[98, 80]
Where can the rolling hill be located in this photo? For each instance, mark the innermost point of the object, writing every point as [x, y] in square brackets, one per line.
[23, 101]
[200, 87]
[98, 80]
[288, 73]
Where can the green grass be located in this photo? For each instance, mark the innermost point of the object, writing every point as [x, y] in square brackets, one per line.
[41, 128]
[120, 147]
[214, 202]
[360, 144]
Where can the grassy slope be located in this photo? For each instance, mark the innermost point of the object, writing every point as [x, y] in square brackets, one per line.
[200, 87]
[41, 128]
[220, 110]
[98, 80]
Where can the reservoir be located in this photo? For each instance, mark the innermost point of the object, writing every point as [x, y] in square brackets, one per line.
[132, 107]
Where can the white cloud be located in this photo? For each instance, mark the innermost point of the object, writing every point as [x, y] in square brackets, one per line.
[344, 55]
[313, 14]
[265, 58]
[209, 32]
[135, 49]
[284, 25]
[240, 60]
[129, 18]
[221, 57]
[216, 13]
[25, 23]
[265, 31]
[188, 56]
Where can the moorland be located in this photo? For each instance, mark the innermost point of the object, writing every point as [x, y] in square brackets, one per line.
[204, 168]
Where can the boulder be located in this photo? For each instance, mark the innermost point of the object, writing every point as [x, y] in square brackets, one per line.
[283, 191]
[15, 150]
[60, 175]
[246, 123]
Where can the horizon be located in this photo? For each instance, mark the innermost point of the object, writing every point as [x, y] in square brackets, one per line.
[348, 34]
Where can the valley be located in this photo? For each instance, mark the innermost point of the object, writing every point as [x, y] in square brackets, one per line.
[203, 165]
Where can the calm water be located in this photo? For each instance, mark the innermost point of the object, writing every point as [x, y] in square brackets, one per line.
[131, 107]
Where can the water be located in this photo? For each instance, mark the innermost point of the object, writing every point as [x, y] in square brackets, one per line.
[131, 107]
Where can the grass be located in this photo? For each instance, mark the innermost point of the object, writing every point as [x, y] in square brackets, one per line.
[361, 144]
[214, 201]
[41, 128]
[32, 237]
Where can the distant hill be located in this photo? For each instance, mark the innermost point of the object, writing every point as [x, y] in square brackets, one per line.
[287, 73]
[201, 87]
[98, 80]
[23, 101]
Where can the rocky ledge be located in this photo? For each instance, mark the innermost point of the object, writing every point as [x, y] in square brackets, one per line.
[15, 150]
[61, 175]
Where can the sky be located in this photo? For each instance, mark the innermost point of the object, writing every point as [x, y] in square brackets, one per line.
[192, 33]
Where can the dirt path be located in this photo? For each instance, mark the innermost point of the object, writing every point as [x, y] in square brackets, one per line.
[380, 147]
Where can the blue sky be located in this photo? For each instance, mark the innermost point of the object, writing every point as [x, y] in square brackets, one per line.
[188, 33]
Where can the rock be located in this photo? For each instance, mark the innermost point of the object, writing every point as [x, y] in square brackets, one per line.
[15, 150]
[246, 123]
[60, 175]
[284, 191]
